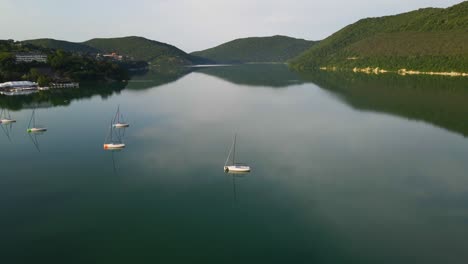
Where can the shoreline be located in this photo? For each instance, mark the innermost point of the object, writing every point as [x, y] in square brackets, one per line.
[401, 72]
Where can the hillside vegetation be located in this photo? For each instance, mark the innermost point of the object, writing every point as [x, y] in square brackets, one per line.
[430, 39]
[257, 49]
[159, 55]
[60, 65]
[62, 44]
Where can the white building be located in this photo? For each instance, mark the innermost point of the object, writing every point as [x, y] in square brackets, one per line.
[30, 57]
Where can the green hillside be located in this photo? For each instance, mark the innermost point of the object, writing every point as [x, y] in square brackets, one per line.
[258, 49]
[158, 54]
[431, 39]
[63, 45]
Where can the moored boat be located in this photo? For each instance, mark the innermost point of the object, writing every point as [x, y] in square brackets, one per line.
[118, 121]
[5, 117]
[35, 128]
[235, 167]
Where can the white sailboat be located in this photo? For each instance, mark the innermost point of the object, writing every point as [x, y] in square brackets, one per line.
[118, 121]
[5, 117]
[235, 167]
[34, 128]
[113, 142]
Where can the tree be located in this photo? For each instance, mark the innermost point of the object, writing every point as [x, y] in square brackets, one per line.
[43, 80]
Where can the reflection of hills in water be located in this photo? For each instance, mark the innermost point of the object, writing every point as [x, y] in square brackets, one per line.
[60, 97]
[63, 97]
[156, 78]
[442, 101]
[273, 75]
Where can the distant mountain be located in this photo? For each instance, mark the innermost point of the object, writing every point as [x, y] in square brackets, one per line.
[431, 39]
[63, 45]
[257, 49]
[158, 54]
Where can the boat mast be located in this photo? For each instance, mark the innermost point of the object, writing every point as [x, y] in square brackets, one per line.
[234, 152]
[118, 114]
[32, 119]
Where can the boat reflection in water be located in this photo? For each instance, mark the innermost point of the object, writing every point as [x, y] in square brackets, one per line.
[7, 129]
[34, 139]
[235, 175]
[114, 163]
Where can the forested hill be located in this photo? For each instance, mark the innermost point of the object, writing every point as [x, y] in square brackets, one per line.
[158, 54]
[431, 39]
[256, 49]
[154, 52]
[68, 46]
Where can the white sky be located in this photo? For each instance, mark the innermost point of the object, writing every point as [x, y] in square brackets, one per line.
[191, 24]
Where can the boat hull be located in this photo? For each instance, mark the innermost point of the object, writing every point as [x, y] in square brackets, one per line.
[36, 129]
[237, 168]
[7, 121]
[120, 125]
[114, 146]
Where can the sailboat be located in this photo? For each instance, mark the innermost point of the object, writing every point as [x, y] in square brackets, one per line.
[5, 117]
[34, 128]
[235, 167]
[113, 143]
[118, 121]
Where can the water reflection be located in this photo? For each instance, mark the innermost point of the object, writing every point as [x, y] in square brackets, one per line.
[64, 97]
[114, 163]
[7, 130]
[438, 100]
[34, 139]
[60, 97]
[330, 182]
[156, 78]
[234, 176]
[270, 75]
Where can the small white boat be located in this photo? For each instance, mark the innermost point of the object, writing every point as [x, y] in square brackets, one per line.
[235, 167]
[113, 142]
[5, 117]
[111, 146]
[118, 121]
[121, 125]
[34, 128]
[37, 129]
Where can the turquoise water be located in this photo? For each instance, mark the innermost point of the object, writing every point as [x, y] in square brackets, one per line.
[345, 169]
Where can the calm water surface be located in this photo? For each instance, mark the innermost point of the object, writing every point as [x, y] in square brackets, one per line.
[346, 169]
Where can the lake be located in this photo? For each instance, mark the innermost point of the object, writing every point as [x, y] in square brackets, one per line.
[346, 168]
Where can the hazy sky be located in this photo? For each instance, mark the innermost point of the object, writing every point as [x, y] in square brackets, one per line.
[191, 24]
